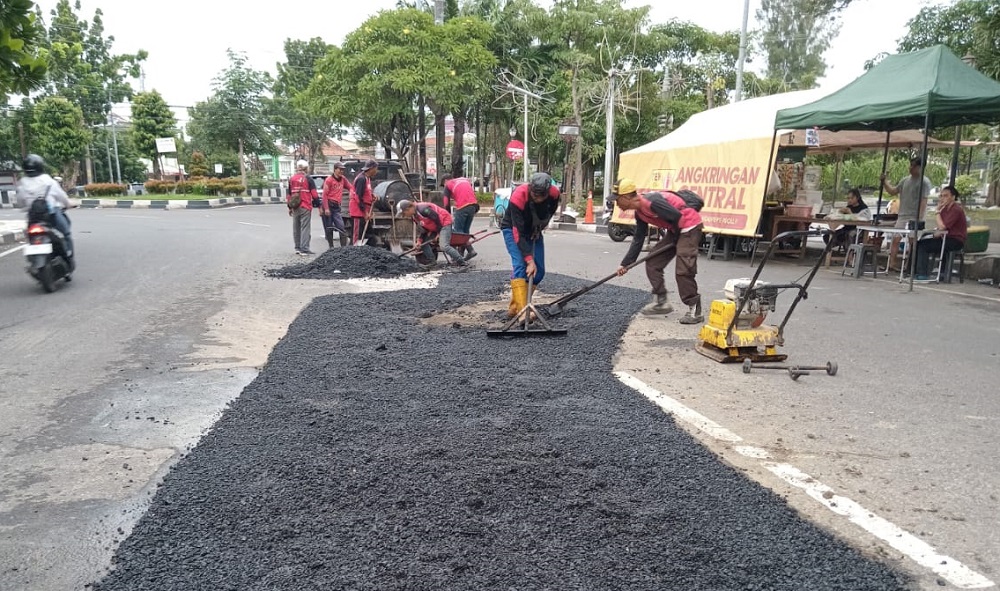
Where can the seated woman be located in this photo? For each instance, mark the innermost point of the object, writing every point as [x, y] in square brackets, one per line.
[950, 217]
[856, 210]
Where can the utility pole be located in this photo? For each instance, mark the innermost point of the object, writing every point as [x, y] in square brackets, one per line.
[526, 94]
[438, 12]
[743, 52]
[114, 134]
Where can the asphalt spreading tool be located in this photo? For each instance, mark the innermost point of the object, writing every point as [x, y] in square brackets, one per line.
[555, 308]
[735, 330]
[794, 371]
[526, 323]
[420, 245]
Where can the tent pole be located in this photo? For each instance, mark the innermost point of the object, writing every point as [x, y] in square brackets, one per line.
[836, 180]
[885, 163]
[771, 163]
[923, 168]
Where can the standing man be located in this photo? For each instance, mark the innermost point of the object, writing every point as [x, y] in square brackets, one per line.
[362, 200]
[683, 227]
[462, 196]
[529, 211]
[335, 187]
[433, 220]
[912, 191]
[301, 192]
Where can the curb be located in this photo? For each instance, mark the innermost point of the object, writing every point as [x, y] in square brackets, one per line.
[177, 203]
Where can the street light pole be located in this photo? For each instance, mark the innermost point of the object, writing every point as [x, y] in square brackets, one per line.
[526, 94]
[743, 52]
[609, 135]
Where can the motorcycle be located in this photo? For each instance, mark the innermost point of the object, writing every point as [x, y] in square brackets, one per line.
[617, 232]
[45, 252]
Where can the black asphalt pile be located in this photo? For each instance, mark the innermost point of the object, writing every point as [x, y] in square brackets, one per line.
[349, 262]
[414, 456]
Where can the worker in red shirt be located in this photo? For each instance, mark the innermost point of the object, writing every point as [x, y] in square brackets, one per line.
[530, 208]
[301, 192]
[433, 220]
[362, 200]
[335, 188]
[683, 226]
[461, 196]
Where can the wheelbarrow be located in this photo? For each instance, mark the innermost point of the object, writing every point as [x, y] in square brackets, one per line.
[459, 241]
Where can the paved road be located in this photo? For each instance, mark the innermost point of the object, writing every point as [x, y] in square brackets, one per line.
[109, 380]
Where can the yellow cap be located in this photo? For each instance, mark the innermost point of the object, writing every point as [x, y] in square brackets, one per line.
[625, 186]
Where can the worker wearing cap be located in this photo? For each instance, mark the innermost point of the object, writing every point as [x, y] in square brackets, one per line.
[362, 200]
[301, 192]
[669, 211]
[335, 187]
[531, 207]
[433, 220]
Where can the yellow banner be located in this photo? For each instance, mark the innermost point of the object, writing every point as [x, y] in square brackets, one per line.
[731, 177]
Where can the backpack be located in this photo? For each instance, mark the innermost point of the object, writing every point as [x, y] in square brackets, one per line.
[294, 201]
[691, 199]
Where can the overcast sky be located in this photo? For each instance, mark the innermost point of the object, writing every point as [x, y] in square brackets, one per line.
[187, 39]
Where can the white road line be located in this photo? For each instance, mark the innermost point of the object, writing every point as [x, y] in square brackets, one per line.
[916, 549]
[253, 224]
[13, 250]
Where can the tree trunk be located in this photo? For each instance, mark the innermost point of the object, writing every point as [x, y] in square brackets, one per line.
[157, 170]
[458, 144]
[439, 142]
[243, 165]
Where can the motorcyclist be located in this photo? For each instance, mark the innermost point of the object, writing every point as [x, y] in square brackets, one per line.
[37, 184]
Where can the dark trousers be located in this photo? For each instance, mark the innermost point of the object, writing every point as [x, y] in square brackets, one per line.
[685, 249]
[929, 246]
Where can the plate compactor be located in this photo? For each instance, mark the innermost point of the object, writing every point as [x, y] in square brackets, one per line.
[735, 330]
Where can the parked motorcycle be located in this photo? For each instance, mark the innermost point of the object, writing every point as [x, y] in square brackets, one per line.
[46, 255]
[617, 232]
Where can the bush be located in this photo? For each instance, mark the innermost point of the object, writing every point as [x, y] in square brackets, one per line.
[214, 186]
[104, 189]
[232, 188]
[485, 199]
[967, 186]
[184, 187]
[155, 187]
[257, 180]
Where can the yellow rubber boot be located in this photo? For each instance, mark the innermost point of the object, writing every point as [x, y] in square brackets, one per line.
[518, 296]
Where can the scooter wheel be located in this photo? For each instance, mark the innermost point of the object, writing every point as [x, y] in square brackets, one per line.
[747, 365]
[831, 368]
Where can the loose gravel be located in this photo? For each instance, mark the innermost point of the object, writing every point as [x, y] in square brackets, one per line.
[349, 262]
[410, 454]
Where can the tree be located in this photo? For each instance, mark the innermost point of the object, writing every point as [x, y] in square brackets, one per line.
[967, 27]
[82, 67]
[298, 122]
[197, 165]
[22, 69]
[795, 35]
[60, 136]
[151, 119]
[234, 117]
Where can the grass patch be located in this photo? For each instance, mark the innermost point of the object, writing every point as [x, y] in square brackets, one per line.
[982, 215]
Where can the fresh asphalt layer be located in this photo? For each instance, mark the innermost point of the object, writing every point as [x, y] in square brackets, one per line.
[419, 454]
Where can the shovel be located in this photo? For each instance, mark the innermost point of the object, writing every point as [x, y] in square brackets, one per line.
[368, 219]
[417, 247]
[556, 307]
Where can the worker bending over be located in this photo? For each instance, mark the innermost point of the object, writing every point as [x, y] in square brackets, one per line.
[433, 220]
[529, 211]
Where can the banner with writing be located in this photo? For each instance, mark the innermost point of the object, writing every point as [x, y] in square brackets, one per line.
[731, 177]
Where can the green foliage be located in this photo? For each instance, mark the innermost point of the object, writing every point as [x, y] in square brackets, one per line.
[967, 186]
[151, 119]
[59, 135]
[795, 35]
[155, 187]
[258, 180]
[10, 144]
[862, 170]
[968, 27]
[104, 189]
[22, 68]
[234, 115]
[233, 187]
[300, 124]
[197, 165]
[82, 67]
[184, 187]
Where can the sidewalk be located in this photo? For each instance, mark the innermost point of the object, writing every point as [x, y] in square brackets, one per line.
[11, 231]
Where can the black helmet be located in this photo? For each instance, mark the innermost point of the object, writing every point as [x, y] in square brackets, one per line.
[540, 183]
[33, 165]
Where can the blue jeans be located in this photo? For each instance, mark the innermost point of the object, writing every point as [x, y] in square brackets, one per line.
[463, 219]
[517, 259]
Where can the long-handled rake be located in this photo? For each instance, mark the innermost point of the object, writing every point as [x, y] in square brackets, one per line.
[521, 324]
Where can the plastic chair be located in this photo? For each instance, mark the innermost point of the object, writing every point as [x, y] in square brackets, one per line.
[949, 265]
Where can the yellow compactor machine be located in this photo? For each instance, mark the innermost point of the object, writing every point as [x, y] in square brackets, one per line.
[735, 330]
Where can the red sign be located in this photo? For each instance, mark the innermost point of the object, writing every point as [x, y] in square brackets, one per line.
[515, 150]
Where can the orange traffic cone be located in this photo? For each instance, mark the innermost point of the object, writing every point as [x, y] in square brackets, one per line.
[589, 217]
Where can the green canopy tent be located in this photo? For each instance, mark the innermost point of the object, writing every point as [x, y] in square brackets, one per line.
[923, 89]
